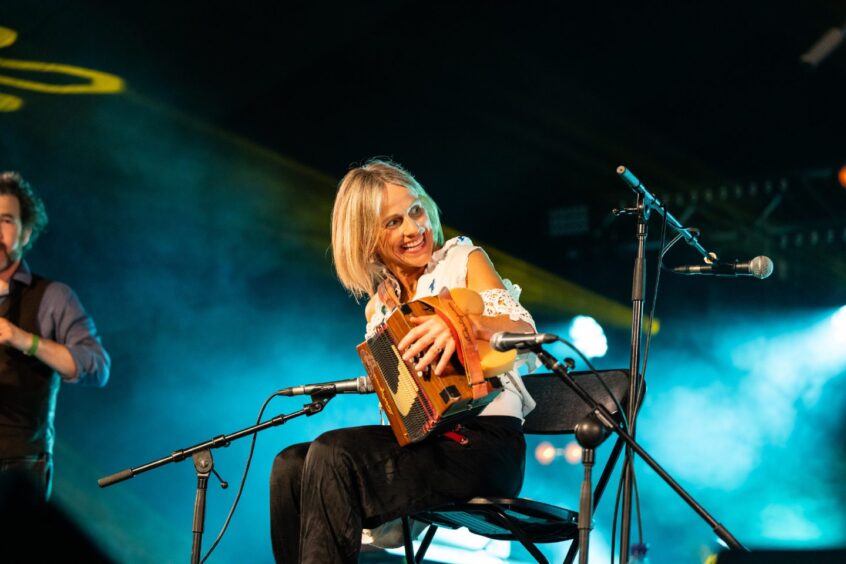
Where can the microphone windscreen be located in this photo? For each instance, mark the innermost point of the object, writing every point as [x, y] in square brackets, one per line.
[761, 267]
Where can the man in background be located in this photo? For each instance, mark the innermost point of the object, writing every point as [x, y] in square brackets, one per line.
[45, 338]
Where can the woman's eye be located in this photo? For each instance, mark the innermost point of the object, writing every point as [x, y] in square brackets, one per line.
[392, 223]
[415, 211]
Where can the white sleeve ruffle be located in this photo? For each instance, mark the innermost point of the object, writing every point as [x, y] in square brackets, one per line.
[499, 301]
[505, 301]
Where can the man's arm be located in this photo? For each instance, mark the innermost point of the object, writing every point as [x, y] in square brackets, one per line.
[51, 353]
[70, 344]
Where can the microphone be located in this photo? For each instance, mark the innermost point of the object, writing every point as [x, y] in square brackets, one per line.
[504, 342]
[360, 385]
[759, 267]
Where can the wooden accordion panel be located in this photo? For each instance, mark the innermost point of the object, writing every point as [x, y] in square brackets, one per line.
[419, 404]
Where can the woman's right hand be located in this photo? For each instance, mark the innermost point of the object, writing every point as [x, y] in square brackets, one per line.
[430, 337]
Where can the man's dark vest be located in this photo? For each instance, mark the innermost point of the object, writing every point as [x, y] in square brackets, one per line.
[28, 387]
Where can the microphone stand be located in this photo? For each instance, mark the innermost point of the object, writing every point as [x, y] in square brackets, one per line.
[604, 417]
[204, 463]
[645, 203]
[638, 289]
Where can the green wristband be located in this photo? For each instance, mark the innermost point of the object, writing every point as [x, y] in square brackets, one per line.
[33, 348]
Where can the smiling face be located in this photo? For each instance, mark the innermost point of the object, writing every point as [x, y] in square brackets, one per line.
[405, 237]
[13, 236]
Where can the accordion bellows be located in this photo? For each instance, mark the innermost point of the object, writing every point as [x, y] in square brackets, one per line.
[419, 404]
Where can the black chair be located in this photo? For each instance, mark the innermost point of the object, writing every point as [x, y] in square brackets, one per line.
[530, 522]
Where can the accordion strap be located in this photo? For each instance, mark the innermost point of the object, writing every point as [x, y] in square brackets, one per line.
[387, 294]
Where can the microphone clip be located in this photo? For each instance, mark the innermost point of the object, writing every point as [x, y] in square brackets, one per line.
[619, 212]
[318, 402]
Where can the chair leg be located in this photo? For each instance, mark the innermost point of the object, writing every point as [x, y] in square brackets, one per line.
[408, 542]
[424, 544]
[521, 535]
[406, 538]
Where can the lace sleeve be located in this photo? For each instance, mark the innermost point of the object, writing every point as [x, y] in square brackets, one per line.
[499, 301]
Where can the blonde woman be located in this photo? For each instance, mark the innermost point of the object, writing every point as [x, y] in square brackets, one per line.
[386, 232]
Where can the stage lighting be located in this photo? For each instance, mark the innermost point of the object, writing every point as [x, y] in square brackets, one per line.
[588, 336]
[546, 452]
[824, 46]
[838, 323]
[573, 453]
[841, 176]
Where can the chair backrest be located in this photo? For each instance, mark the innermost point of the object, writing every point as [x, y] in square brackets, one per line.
[559, 409]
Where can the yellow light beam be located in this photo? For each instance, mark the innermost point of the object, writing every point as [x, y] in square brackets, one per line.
[7, 36]
[545, 291]
[542, 290]
[99, 82]
[9, 103]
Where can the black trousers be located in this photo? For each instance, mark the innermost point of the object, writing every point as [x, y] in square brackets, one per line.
[38, 469]
[323, 493]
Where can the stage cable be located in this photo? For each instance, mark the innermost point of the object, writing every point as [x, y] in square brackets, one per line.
[598, 376]
[243, 481]
[617, 512]
[641, 389]
[637, 505]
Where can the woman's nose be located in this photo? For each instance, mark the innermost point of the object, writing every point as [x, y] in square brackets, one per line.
[411, 227]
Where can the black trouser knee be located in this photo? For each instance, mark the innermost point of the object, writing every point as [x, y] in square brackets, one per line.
[285, 485]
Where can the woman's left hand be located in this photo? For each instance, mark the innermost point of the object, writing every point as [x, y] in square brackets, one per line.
[432, 335]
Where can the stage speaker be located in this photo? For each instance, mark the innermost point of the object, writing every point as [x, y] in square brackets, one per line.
[784, 556]
[38, 531]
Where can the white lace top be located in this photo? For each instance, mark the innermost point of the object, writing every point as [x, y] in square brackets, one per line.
[448, 268]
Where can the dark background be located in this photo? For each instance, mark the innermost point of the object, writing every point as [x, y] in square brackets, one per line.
[190, 211]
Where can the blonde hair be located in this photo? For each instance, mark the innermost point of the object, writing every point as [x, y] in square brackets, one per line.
[356, 224]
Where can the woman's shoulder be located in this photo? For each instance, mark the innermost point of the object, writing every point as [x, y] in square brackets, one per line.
[448, 267]
[457, 241]
[455, 248]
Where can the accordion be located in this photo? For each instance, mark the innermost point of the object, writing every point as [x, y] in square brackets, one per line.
[420, 403]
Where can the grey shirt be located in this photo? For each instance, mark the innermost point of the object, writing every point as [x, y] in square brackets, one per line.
[62, 318]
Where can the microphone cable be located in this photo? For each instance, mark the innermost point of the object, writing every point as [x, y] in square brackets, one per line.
[243, 481]
[665, 248]
[595, 373]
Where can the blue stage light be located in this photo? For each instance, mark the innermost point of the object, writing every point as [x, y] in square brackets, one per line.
[838, 323]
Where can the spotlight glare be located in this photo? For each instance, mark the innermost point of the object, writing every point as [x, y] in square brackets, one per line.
[573, 453]
[838, 323]
[545, 453]
[841, 176]
[588, 336]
